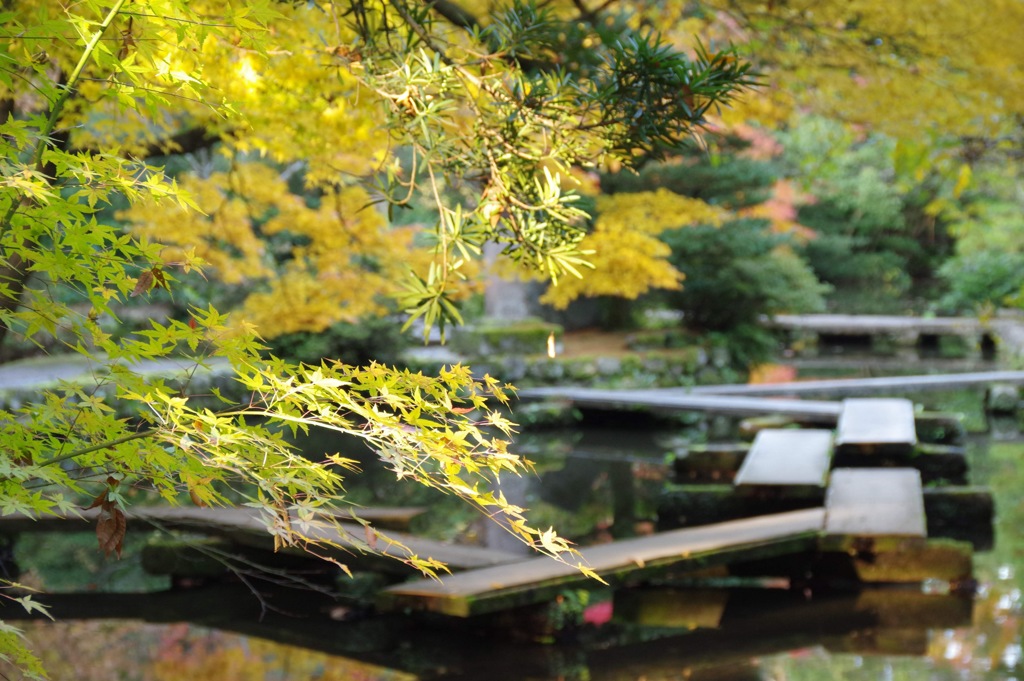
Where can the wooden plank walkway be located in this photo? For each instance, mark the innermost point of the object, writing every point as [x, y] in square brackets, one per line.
[244, 527]
[875, 502]
[787, 458]
[541, 579]
[876, 425]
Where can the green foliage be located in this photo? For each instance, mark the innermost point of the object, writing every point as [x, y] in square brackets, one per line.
[736, 273]
[843, 258]
[70, 562]
[92, 89]
[878, 215]
[487, 337]
[982, 281]
[378, 339]
[501, 115]
[729, 180]
[987, 270]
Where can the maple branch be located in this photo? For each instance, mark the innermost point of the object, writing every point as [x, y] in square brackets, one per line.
[58, 106]
[102, 445]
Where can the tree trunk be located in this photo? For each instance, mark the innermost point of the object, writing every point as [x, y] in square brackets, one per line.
[504, 299]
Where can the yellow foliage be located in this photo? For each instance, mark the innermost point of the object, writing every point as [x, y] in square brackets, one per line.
[772, 111]
[906, 68]
[339, 261]
[628, 258]
[298, 101]
[222, 236]
[653, 212]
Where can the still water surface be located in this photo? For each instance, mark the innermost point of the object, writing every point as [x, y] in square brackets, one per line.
[594, 485]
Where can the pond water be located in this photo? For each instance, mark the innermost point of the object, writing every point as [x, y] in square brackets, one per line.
[593, 484]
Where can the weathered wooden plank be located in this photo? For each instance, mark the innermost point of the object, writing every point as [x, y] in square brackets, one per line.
[540, 579]
[787, 457]
[870, 425]
[874, 502]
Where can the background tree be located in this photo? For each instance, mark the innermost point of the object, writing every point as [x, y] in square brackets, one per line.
[311, 112]
[910, 70]
[880, 211]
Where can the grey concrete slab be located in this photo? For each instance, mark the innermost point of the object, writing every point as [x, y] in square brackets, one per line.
[870, 425]
[863, 386]
[875, 502]
[872, 324]
[805, 410]
[539, 579]
[787, 457]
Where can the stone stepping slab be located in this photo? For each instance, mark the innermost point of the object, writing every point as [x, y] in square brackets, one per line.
[876, 425]
[787, 458]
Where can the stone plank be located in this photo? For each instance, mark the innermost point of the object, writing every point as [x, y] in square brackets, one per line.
[540, 579]
[674, 400]
[874, 502]
[863, 386]
[875, 324]
[870, 425]
[244, 526]
[787, 457]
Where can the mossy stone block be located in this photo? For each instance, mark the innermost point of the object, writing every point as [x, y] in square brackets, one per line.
[523, 337]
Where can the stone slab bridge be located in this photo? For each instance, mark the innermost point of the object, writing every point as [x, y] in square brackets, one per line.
[862, 522]
[1004, 332]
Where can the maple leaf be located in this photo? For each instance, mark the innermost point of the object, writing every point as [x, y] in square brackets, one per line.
[371, 537]
[143, 284]
[196, 499]
[110, 529]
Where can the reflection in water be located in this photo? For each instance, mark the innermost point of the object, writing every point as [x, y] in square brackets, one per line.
[130, 651]
[991, 648]
[598, 485]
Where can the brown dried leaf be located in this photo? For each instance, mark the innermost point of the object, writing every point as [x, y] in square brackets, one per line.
[100, 500]
[371, 537]
[110, 529]
[159, 279]
[144, 283]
